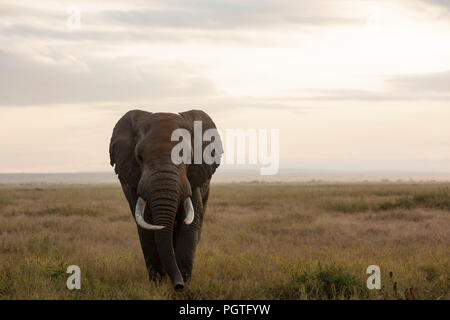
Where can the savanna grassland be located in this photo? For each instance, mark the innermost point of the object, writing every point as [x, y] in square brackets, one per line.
[259, 241]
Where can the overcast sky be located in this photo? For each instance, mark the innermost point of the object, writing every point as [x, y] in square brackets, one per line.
[352, 85]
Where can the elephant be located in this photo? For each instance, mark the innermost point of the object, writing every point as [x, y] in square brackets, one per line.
[167, 200]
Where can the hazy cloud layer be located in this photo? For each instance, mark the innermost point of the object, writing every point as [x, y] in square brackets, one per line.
[429, 86]
[432, 82]
[43, 62]
[26, 82]
[147, 21]
[234, 15]
[442, 3]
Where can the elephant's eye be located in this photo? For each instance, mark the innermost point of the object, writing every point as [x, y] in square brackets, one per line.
[139, 158]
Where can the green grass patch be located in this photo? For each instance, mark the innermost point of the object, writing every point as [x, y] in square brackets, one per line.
[346, 205]
[5, 202]
[324, 282]
[430, 200]
[439, 199]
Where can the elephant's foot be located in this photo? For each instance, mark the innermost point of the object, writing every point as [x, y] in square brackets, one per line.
[155, 275]
[186, 277]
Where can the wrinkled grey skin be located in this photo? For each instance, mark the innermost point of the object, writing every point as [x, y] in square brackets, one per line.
[140, 150]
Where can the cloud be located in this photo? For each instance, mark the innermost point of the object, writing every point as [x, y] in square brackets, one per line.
[61, 70]
[27, 82]
[441, 3]
[243, 22]
[428, 86]
[431, 82]
[233, 14]
[107, 37]
[64, 79]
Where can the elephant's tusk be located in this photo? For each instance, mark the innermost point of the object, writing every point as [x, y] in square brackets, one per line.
[140, 209]
[189, 210]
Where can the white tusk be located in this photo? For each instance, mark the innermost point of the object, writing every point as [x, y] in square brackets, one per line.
[138, 215]
[189, 210]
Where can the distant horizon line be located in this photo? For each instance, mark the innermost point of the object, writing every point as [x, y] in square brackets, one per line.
[285, 170]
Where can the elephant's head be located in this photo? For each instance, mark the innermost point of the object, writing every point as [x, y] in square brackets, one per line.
[141, 150]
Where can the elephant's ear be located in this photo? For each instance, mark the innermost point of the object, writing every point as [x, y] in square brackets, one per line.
[198, 174]
[121, 148]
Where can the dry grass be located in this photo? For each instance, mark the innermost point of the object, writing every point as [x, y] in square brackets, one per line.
[276, 241]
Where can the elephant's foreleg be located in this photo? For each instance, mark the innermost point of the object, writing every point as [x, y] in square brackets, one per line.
[154, 267]
[147, 239]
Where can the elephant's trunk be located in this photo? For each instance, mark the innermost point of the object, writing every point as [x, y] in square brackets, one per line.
[163, 213]
[164, 245]
[139, 216]
[163, 202]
